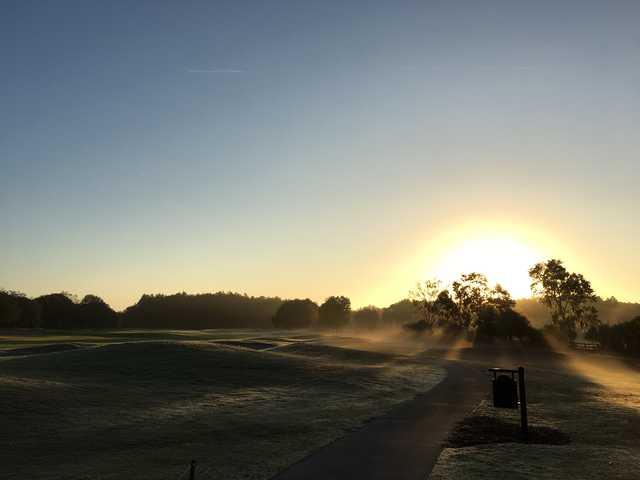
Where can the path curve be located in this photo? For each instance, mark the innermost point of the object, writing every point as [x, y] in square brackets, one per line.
[403, 444]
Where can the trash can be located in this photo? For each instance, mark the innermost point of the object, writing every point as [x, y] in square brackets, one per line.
[505, 392]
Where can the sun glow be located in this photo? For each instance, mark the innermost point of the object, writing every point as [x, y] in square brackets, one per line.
[502, 259]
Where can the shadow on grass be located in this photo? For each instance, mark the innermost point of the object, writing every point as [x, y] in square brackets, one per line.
[482, 430]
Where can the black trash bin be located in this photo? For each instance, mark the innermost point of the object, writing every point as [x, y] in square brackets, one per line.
[505, 392]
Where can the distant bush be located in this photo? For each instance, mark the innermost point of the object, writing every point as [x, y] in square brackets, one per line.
[610, 311]
[623, 338]
[506, 324]
[419, 326]
[335, 312]
[367, 318]
[296, 314]
[398, 314]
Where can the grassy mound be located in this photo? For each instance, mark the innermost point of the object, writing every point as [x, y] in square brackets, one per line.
[39, 349]
[338, 354]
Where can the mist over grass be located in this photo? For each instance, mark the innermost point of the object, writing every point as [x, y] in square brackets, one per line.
[244, 404]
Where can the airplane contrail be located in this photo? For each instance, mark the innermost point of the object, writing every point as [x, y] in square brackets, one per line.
[216, 70]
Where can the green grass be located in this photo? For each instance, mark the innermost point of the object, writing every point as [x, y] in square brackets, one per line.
[140, 405]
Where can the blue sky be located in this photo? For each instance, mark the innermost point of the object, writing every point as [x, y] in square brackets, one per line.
[311, 148]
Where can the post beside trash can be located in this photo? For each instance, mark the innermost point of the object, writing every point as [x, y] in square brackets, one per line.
[524, 421]
[506, 393]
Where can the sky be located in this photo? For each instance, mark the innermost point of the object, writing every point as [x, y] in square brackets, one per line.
[305, 149]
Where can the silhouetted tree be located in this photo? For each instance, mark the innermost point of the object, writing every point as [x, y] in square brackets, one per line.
[470, 294]
[207, 310]
[424, 298]
[500, 298]
[367, 318]
[58, 310]
[335, 312]
[505, 323]
[568, 296]
[30, 315]
[623, 337]
[93, 312]
[398, 313]
[447, 311]
[296, 314]
[487, 323]
[10, 311]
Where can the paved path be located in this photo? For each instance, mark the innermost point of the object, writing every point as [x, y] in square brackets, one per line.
[404, 444]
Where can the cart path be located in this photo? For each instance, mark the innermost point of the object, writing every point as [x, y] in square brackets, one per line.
[405, 443]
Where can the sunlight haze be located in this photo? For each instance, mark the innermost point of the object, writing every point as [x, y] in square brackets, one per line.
[267, 148]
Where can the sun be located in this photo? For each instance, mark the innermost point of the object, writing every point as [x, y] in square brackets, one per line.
[502, 259]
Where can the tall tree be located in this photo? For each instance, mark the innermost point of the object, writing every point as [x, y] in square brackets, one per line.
[568, 296]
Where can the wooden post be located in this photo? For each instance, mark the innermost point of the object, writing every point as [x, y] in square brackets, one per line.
[192, 470]
[523, 404]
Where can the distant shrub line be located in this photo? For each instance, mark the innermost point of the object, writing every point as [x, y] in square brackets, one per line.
[623, 338]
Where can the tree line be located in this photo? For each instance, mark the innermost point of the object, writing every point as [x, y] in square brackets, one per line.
[56, 311]
[193, 311]
[178, 311]
[565, 299]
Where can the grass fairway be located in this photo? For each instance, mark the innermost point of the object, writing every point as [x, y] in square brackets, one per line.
[591, 401]
[140, 405]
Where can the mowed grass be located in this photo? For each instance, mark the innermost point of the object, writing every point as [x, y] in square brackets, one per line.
[592, 399]
[141, 405]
